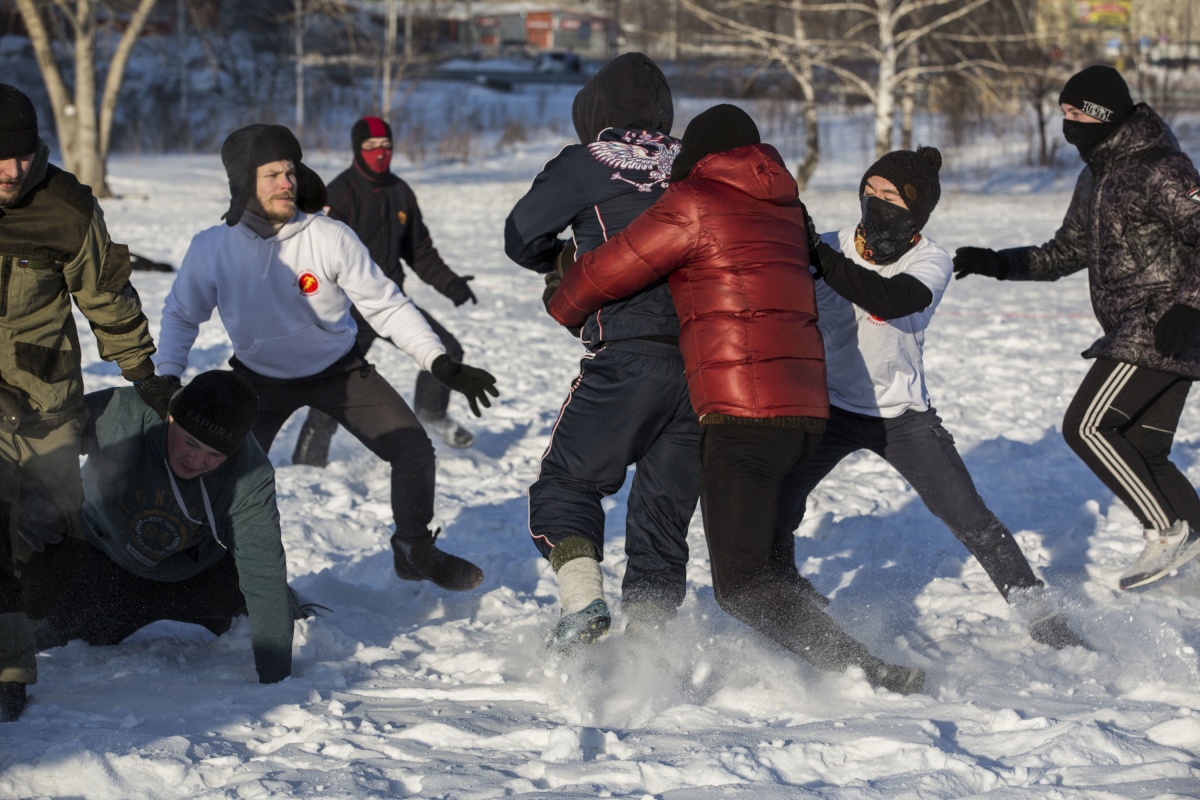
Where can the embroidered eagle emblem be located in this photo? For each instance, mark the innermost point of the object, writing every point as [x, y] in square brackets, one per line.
[640, 151]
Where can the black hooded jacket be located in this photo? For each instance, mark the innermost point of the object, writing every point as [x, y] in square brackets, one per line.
[623, 116]
[383, 211]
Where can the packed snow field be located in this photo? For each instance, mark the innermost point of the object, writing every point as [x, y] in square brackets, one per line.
[402, 689]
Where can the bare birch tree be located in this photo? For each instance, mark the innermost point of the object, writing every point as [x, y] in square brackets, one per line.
[82, 118]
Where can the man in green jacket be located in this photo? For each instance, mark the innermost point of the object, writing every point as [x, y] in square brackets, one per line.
[54, 249]
[181, 522]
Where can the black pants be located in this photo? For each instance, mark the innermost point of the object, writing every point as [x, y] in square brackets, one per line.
[1122, 424]
[743, 469]
[366, 405]
[923, 452]
[105, 603]
[629, 405]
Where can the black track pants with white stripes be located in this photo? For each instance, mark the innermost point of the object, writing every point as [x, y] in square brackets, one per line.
[1122, 423]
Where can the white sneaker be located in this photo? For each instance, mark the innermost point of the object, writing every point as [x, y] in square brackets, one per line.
[1164, 551]
[448, 428]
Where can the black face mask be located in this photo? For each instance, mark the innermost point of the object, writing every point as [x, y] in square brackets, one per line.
[1086, 135]
[888, 230]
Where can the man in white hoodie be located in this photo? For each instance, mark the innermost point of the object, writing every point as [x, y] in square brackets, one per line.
[283, 278]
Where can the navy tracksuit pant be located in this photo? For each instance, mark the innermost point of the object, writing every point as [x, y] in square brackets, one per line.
[629, 405]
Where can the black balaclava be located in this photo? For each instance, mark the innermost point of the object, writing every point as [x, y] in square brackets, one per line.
[218, 408]
[18, 123]
[1099, 92]
[888, 231]
[714, 130]
[247, 149]
[373, 164]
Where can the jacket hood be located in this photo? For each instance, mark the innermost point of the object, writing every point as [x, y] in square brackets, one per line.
[37, 170]
[755, 169]
[628, 92]
[299, 222]
[1143, 130]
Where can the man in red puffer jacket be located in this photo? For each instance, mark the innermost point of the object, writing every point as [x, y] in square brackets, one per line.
[730, 235]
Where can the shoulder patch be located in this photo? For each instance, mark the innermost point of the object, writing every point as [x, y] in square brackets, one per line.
[1194, 194]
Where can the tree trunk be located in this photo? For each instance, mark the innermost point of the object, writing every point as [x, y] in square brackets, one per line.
[83, 122]
[885, 84]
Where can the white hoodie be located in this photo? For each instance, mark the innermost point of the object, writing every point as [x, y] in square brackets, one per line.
[285, 300]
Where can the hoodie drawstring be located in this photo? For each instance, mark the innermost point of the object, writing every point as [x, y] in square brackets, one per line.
[212, 525]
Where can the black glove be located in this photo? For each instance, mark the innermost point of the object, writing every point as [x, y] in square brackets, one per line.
[814, 240]
[459, 292]
[157, 391]
[1176, 331]
[979, 261]
[562, 262]
[473, 382]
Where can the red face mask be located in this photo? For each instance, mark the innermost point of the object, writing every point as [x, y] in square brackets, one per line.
[378, 160]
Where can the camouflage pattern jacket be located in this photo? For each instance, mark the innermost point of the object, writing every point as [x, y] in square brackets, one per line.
[1134, 224]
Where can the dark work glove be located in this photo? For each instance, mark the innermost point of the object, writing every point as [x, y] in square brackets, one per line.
[562, 262]
[157, 391]
[1176, 331]
[459, 292]
[979, 261]
[473, 382]
[814, 239]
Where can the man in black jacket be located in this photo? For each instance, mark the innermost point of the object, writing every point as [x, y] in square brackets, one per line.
[382, 209]
[630, 403]
[1134, 225]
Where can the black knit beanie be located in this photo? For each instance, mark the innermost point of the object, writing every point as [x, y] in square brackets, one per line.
[18, 123]
[915, 175]
[1099, 92]
[247, 149]
[714, 130]
[218, 408]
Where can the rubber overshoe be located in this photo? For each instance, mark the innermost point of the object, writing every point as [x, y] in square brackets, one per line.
[895, 678]
[580, 628]
[1165, 551]
[1055, 632]
[423, 561]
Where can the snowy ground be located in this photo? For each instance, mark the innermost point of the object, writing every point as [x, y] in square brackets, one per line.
[405, 690]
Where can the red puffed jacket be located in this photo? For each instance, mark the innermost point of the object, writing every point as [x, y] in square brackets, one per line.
[731, 239]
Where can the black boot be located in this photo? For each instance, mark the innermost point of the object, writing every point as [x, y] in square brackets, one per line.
[895, 678]
[421, 560]
[312, 445]
[12, 700]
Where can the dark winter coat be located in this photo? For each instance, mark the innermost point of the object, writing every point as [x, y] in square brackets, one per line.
[1134, 224]
[732, 240]
[131, 515]
[623, 116]
[383, 211]
[54, 248]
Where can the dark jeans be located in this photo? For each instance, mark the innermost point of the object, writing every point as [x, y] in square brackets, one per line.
[923, 452]
[366, 405]
[629, 405]
[1122, 424]
[743, 469]
[105, 603]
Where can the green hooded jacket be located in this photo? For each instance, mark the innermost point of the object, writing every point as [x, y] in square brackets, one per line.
[54, 248]
[131, 513]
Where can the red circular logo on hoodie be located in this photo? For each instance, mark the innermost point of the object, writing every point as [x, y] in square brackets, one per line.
[308, 283]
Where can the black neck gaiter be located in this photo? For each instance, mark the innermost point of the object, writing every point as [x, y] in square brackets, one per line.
[886, 232]
[1086, 135]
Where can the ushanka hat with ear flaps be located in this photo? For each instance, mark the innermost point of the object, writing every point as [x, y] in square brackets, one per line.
[218, 408]
[18, 123]
[247, 149]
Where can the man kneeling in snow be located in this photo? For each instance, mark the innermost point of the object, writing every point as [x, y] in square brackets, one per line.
[182, 523]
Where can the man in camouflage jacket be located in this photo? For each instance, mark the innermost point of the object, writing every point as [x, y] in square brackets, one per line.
[1134, 225]
[54, 248]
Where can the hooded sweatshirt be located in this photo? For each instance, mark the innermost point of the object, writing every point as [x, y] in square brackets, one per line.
[285, 300]
[623, 117]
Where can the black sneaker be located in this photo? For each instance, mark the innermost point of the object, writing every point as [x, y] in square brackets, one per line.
[12, 700]
[423, 561]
